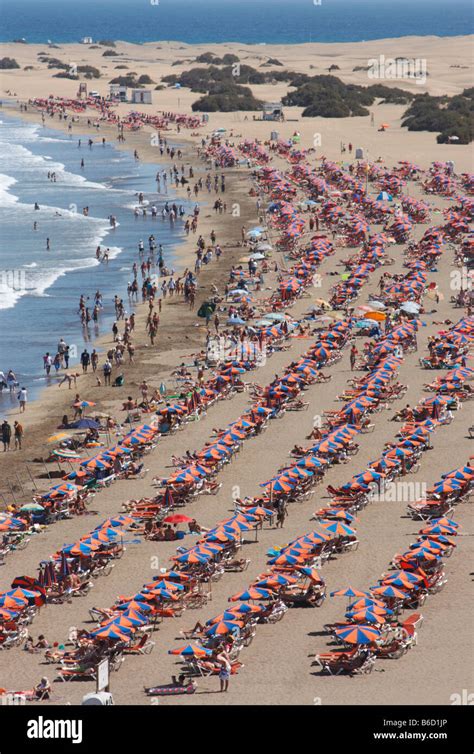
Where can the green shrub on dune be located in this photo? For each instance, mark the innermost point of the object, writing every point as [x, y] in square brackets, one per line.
[227, 98]
[451, 116]
[8, 64]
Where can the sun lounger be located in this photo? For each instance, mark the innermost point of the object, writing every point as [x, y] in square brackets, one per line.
[345, 663]
[143, 647]
[71, 674]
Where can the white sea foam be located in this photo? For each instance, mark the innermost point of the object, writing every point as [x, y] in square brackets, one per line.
[74, 236]
[7, 199]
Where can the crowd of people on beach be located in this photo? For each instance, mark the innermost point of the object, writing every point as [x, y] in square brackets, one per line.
[241, 320]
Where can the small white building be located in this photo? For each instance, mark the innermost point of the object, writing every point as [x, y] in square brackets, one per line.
[117, 91]
[87, 40]
[141, 96]
[272, 111]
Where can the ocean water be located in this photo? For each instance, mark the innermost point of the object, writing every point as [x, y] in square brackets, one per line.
[246, 21]
[40, 289]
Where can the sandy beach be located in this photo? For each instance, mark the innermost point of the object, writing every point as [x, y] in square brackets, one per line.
[277, 665]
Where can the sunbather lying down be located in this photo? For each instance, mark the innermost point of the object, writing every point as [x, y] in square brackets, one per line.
[198, 630]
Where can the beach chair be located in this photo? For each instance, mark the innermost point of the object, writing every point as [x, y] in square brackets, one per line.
[71, 674]
[143, 647]
[346, 663]
[413, 621]
[237, 565]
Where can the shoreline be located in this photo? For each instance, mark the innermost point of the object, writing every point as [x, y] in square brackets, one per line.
[250, 44]
[175, 247]
[152, 364]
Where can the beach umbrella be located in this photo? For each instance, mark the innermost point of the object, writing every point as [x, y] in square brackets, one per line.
[168, 585]
[136, 605]
[244, 608]
[118, 521]
[447, 485]
[384, 196]
[21, 592]
[82, 548]
[8, 614]
[445, 521]
[348, 592]
[339, 513]
[258, 510]
[161, 594]
[137, 616]
[406, 576]
[192, 557]
[253, 593]
[365, 615]
[177, 518]
[59, 436]
[227, 615]
[15, 603]
[224, 627]
[437, 529]
[83, 405]
[104, 535]
[112, 631]
[338, 528]
[358, 634]
[11, 523]
[372, 603]
[32, 507]
[190, 650]
[286, 559]
[389, 591]
[276, 580]
[311, 573]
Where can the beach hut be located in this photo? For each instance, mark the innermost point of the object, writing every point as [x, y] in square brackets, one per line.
[117, 91]
[87, 40]
[272, 111]
[141, 96]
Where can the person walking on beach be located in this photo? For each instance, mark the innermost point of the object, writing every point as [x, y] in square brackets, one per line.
[281, 514]
[94, 360]
[224, 673]
[353, 356]
[85, 360]
[23, 397]
[6, 435]
[47, 362]
[107, 372]
[18, 432]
